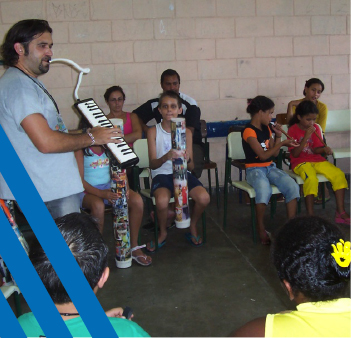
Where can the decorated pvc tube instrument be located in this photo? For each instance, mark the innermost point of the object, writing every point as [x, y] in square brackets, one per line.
[118, 185]
[121, 229]
[180, 173]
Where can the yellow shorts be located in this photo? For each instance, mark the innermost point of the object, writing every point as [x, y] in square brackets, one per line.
[308, 172]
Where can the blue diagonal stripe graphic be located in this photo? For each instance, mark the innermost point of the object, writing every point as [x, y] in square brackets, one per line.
[53, 243]
[11, 328]
[30, 284]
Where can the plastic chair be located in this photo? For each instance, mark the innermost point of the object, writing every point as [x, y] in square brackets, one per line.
[8, 290]
[236, 152]
[209, 165]
[141, 150]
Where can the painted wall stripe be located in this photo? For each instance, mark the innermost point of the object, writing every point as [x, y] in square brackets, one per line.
[52, 242]
[30, 284]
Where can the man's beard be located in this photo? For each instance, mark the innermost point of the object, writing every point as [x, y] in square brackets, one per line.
[44, 69]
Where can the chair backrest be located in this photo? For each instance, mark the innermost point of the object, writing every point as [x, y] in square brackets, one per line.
[338, 120]
[235, 148]
[203, 128]
[282, 118]
[141, 150]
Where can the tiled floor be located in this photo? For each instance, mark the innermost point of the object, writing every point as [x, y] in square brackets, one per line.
[208, 290]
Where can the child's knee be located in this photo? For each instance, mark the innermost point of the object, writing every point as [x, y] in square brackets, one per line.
[135, 202]
[97, 208]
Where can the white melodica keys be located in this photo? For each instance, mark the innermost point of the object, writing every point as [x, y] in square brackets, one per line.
[96, 117]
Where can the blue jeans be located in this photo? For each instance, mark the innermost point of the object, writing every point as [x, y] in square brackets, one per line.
[261, 178]
[63, 206]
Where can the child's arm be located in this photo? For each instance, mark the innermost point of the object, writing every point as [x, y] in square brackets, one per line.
[265, 155]
[155, 162]
[289, 112]
[189, 149]
[323, 150]
[105, 194]
[137, 130]
[297, 151]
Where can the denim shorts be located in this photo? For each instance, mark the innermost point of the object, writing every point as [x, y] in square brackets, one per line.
[261, 178]
[166, 181]
[104, 186]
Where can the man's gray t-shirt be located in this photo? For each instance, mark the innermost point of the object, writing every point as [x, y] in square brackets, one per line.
[55, 175]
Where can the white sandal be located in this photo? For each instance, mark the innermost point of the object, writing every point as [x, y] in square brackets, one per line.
[137, 258]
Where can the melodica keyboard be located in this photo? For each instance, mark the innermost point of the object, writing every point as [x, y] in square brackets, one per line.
[96, 117]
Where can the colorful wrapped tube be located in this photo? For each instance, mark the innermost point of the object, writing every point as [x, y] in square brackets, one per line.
[180, 174]
[121, 229]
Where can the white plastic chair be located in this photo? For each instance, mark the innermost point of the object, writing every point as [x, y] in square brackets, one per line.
[8, 290]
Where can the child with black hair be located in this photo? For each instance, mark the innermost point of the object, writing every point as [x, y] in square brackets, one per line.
[260, 147]
[313, 264]
[307, 160]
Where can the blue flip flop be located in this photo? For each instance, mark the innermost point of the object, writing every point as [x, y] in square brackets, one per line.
[190, 238]
[152, 246]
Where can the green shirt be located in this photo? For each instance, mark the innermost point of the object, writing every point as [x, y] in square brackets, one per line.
[123, 327]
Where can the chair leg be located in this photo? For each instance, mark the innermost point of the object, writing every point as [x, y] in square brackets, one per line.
[209, 181]
[225, 194]
[204, 235]
[217, 187]
[240, 191]
[156, 228]
[253, 220]
[273, 205]
[322, 185]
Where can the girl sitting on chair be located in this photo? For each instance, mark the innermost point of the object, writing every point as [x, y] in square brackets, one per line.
[259, 147]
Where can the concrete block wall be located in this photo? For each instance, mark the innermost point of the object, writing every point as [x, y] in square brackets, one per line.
[224, 50]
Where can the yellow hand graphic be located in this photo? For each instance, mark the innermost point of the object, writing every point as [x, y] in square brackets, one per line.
[341, 253]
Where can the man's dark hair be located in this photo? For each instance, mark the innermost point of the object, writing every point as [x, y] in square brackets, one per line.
[80, 231]
[301, 254]
[169, 72]
[23, 32]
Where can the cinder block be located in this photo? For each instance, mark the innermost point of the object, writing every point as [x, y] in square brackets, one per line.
[340, 7]
[59, 76]
[60, 32]
[312, 7]
[111, 9]
[337, 101]
[146, 9]
[293, 66]
[276, 87]
[195, 8]
[275, 7]
[162, 50]
[311, 45]
[215, 28]
[217, 69]
[223, 110]
[112, 52]
[274, 46]
[238, 88]
[80, 53]
[148, 91]
[336, 64]
[13, 11]
[201, 90]
[328, 25]
[132, 30]
[130, 73]
[174, 28]
[281, 104]
[339, 44]
[91, 31]
[103, 75]
[76, 10]
[235, 48]
[341, 84]
[192, 49]
[254, 26]
[3, 31]
[236, 8]
[256, 68]
[187, 70]
[292, 25]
